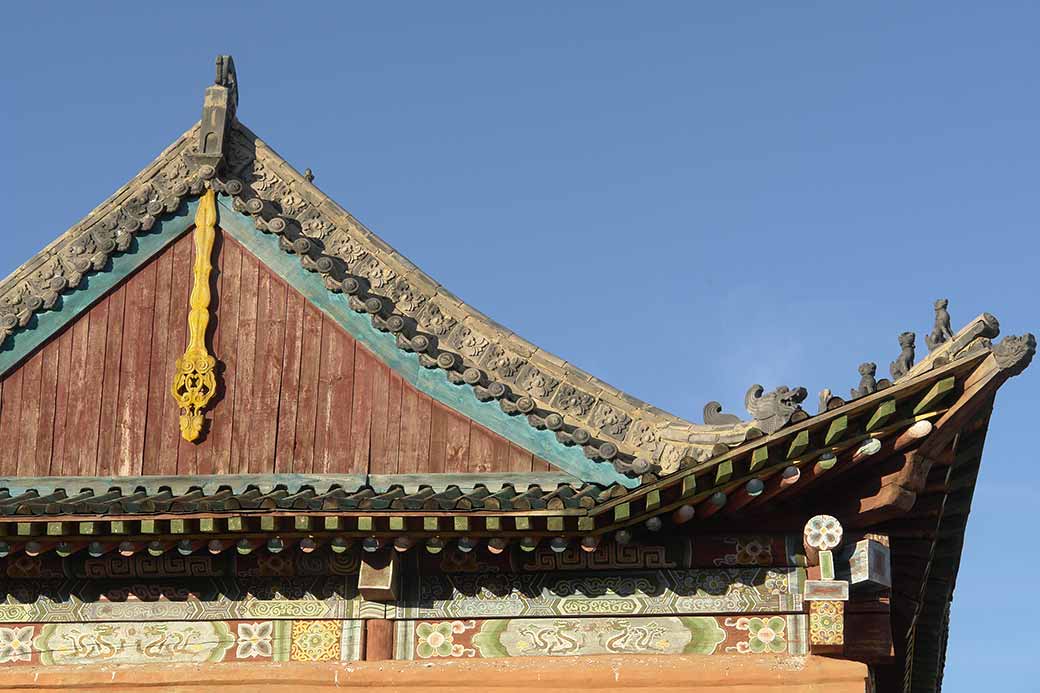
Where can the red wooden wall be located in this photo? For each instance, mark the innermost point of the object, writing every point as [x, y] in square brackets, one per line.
[299, 393]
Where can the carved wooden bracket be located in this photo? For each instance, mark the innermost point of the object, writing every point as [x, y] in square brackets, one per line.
[195, 381]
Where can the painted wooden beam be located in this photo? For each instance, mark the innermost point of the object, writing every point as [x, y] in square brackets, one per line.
[936, 394]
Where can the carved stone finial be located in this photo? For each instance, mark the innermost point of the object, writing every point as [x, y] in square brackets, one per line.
[774, 410]
[867, 382]
[1014, 353]
[941, 331]
[218, 112]
[905, 362]
[713, 415]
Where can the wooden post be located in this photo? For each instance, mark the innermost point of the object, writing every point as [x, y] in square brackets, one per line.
[379, 639]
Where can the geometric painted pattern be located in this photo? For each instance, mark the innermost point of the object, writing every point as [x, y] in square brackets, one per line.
[629, 593]
[172, 642]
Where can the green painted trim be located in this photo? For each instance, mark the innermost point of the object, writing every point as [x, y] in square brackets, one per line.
[94, 286]
[433, 382]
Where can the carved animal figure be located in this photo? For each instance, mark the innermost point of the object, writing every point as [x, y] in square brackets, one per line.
[941, 332]
[774, 410]
[901, 365]
[867, 382]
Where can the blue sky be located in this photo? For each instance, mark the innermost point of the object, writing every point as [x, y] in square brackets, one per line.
[680, 198]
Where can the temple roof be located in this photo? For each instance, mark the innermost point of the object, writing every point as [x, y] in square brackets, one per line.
[921, 430]
[607, 424]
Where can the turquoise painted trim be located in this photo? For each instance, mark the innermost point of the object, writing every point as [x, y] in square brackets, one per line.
[433, 382]
[93, 286]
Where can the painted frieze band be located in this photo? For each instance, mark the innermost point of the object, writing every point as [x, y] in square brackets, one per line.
[181, 642]
[561, 637]
[512, 595]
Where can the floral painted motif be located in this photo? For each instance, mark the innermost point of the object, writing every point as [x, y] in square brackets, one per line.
[254, 640]
[765, 635]
[16, 644]
[749, 550]
[315, 641]
[438, 639]
[826, 623]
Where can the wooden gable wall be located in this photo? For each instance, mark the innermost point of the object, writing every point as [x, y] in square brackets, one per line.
[298, 393]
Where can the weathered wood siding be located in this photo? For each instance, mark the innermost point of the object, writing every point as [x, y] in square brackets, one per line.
[298, 394]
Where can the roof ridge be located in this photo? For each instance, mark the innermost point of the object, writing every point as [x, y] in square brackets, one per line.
[606, 423]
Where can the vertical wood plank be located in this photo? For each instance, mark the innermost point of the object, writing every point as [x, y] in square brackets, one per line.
[392, 448]
[133, 386]
[379, 378]
[61, 402]
[245, 359]
[482, 451]
[500, 453]
[335, 403]
[169, 320]
[110, 385]
[10, 414]
[45, 428]
[407, 458]
[438, 439]
[77, 406]
[361, 413]
[456, 448]
[92, 383]
[305, 445]
[290, 385]
[540, 465]
[267, 372]
[29, 416]
[226, 334]
[520, 460]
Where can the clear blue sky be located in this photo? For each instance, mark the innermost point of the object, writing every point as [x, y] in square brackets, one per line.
[680, 198]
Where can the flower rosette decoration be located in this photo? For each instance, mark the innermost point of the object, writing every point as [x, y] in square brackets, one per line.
[438, 639]
[254, 640]
[16, 644]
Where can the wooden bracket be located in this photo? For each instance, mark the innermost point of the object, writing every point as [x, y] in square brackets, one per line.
[379, 578]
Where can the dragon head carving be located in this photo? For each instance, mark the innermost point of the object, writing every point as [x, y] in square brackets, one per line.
[772, 411]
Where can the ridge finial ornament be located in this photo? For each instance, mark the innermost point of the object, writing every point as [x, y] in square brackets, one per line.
[195, 381]
[905, 362]
[1014, 353]
[867, 382]
[713, 416]
[774, 410]
[218, 112]
[941, 331]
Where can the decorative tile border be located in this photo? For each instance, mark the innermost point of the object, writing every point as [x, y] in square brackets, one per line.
[709, 551]
[560, 637]
[180, 642]
[512, 595]
[173, 565]
[182, 599]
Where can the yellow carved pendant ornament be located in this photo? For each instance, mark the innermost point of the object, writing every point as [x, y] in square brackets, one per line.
[195, 381]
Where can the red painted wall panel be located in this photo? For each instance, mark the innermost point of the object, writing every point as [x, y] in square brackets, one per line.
[296, 392]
